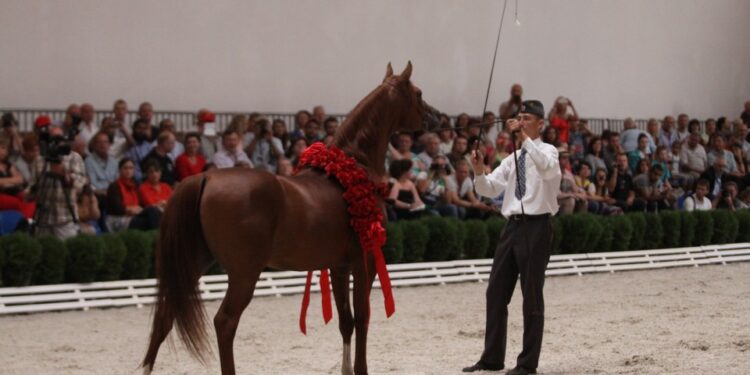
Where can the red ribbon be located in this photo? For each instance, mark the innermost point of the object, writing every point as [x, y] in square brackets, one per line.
[366, 219]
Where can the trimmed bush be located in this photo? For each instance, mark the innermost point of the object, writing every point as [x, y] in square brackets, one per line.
[495, 226]
[595, 226]
[393, 250]
[22, 254]
[638, 219]
[137, 264]
[654, 232]
[416, 236]
[704, 228]
[442, 240]
[607, 235]
[725, 226]
[51, 268]
[671, 223]
[578, 231]
[743, 226]
[460, 228]
[622, 232]
[558, 234]
[85, 256]
[113, 256]
[153, 236]
[476, 242]
[687, 229]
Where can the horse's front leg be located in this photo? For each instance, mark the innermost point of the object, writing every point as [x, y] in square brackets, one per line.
[362, 286]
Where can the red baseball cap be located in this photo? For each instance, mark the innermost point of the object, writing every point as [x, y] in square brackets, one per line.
[42, 121]
[206, 116]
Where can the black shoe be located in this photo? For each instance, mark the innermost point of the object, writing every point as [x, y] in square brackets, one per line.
[521, 371]
[481, 366]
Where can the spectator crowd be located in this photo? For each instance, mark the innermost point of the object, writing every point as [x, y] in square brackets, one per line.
[80, 176]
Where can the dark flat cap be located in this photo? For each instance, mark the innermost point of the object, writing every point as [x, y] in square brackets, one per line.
[532, 107]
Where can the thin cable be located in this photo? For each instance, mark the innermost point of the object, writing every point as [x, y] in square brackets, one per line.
[492, 70]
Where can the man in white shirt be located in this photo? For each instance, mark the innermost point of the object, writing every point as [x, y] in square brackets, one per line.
[525, 245]
[693, 158]
[88, 126]
[232, 154]
[699, 201]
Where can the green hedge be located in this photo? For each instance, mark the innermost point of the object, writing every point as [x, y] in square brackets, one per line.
[129, 255]
[21, 255]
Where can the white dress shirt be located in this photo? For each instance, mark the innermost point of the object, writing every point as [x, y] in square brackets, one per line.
[542, 181]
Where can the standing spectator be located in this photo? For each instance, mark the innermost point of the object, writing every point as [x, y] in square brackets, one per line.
[460, 190]
[741, 136]
[510, 108]
[11, 136]
[745, 116]
[88, 126]
[231, 155]
[652, 129]
[682, 127]
[620, 185]
[142, 147]
[265, 150]
[160, 154]
[120, 137]
[191, 162]
[152, 191]
[205, 122]
[124, 209]
[641, 153]
[295, 150]
[667, 135]
[330, 125]
[652, 189]
[404, 194]
[30, 164]
[693, 158]
[319, 114]
[560, 119]
[280, 132]
[100, 167]
[699, 200]
[595, 154]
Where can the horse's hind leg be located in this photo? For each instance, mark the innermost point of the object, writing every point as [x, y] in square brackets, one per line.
[239, 293]
[362, 285]
[340, 283]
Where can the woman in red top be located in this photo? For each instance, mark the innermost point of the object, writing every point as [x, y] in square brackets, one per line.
[560, 119]
[152, 191]
[191, 162]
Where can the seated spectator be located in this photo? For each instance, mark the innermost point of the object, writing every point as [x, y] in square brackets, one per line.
[459, 151]
[123, 205]
[620, 185]
[503, 148]
[231, 154]
[562, 114]
[100, 166]
[642, 168]
[656, 192]
[585, 185]
[743, 200]
[296, 149]
[88, 126]
[739, 159]
[551, 137]
[88, 212]
[167, 125]
[154, 192]
[11, 136]
[639, 153]
[285, 167]
[652, 129]
[311, 131]
[142, 147]
[460, 190]
[663, 160]
[403, 193]
[630, 138]
[11, 185]
[433, 189]
[716, 177]
[667, 134]
[571, 198]
[745, 116]
[445, 133]
[710, 130]
[728, 198]
[265, 150]
[300, 121]
[119, 136]
[280, 132]
[160, 154]
[330, 125]
[578, 140]
[607, 204]
[431, 149]
[404, 145]
[613, 147]
[595, 155]
[206, 124]
[699, 200]
[31, 163]
[683, 180]
[191, 162]
[717, 149]
[693, 158]
[682, 128]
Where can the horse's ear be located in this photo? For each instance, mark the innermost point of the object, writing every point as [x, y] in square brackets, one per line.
[407, 72]
[388, 71]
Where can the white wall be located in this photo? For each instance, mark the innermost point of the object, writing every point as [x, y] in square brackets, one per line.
[613, 58]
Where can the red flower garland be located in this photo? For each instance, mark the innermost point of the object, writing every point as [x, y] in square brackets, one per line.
[366, 218]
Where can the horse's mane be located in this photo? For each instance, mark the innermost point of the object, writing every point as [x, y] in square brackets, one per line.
[362, 134]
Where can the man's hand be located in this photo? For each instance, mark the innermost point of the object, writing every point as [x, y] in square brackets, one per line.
[477, 162]
[516, 128]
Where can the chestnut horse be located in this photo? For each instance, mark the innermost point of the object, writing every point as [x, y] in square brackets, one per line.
[248, 220]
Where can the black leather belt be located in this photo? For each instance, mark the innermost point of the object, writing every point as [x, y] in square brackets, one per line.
[529, 217]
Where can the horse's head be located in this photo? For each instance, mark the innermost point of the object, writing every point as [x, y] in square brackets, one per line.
[416, 114]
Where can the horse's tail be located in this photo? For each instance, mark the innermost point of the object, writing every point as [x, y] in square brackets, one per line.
[181, 255]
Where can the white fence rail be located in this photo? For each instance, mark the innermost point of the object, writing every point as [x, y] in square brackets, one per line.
[141, 292]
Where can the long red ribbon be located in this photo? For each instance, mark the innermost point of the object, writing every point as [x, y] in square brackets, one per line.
[305, 303]
[325, 294]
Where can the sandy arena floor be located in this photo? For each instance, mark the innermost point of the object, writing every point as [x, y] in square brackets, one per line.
[677, 321]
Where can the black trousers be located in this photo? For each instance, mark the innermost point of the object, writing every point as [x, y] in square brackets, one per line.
[524, 248]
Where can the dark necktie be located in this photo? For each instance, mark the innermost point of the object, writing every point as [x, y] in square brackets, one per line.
[521, 183]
